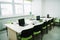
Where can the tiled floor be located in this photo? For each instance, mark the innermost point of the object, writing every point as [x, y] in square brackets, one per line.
[54, 34]
[3, 35]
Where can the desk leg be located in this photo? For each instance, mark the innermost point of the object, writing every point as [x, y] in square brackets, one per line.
[11, 34]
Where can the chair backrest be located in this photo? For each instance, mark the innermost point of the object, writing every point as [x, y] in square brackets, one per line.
[26, 33]
[49, 22]
[45, 23]
[36, 28]
[52, 20]
[40, 26]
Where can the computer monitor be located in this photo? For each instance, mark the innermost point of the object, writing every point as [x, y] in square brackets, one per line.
[47, 15]
[21, 22]
[37, 17]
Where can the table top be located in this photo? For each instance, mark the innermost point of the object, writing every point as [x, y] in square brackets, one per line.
[46, 19]
[15, 27]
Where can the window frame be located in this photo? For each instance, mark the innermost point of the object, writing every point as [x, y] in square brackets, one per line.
[13, 7]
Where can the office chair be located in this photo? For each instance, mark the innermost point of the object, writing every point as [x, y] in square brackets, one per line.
[46, 24]
[44, 28]
[26, 35]
[36, 32]
[49, 25]
[40, 27]
[52, 22]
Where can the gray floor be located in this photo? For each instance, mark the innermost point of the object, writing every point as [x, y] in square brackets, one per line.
[3, 35]
[54, 34]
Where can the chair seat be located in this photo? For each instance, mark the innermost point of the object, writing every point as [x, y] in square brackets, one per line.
[26, 38]
[48, 25]
[26, 34]
[44, 27]
[52, 23]
[35, 33]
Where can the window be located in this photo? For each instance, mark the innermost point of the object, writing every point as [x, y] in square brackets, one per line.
[27, 7]
[15, 7]
[27, 1]
[6, 10]
[19, 9]
[5, 0]
[18, 1]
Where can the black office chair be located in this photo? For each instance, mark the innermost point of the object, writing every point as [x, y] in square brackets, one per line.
[52, 23]
[41, 29]
[46, 24]
[49, 25]
[26, 35]
[36, 33]
[44, 28]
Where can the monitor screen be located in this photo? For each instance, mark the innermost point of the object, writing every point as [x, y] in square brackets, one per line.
[21, 22]
[47, 15]
[37, 17]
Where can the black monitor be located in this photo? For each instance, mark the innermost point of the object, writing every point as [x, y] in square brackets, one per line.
[37, 17]
[47, 15]
[21, 22]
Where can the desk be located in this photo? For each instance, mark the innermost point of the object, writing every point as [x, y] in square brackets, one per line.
[17, 28]
[46, 19]
[13, 29]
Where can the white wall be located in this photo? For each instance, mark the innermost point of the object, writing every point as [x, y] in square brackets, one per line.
[36, 7]
[51, 7]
